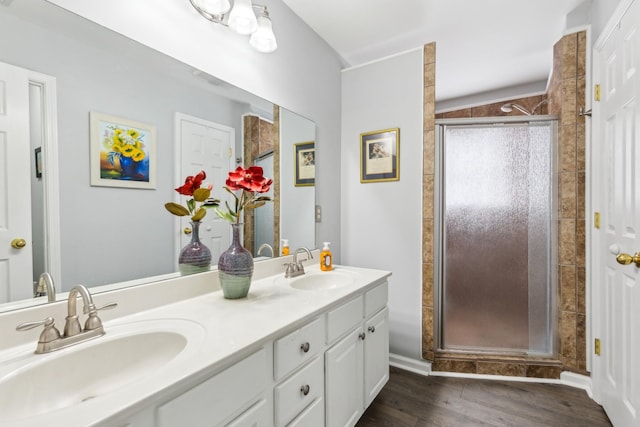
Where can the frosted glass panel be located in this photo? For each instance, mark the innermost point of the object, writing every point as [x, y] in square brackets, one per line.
[496, 208]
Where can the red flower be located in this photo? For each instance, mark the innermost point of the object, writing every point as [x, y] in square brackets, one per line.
[250, 179]
[191, 184]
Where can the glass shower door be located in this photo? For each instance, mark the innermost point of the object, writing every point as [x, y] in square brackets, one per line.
[497, 210]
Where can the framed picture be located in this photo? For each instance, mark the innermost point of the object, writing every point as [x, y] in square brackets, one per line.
[379, 156]
[123, 152]
[305, 164]
[38, 159]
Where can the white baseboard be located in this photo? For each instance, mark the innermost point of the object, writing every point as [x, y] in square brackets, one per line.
[578, 381]
[421, 367]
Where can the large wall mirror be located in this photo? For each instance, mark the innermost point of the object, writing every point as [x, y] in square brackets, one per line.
[124, 235]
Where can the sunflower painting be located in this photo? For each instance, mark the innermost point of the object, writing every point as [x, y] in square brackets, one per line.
[122, 151]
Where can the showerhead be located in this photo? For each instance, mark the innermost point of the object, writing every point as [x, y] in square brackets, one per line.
[507, 108]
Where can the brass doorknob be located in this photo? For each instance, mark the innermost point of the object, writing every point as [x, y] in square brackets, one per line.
[626, 259]
[187, 230]
[18, 243]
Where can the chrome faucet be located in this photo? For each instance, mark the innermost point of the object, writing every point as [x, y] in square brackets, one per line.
[265, 246]
[295, 268]
[50, 338]
[72, 324]
[46, 287]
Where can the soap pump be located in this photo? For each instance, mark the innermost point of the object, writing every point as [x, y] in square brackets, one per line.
[285, 247]
[326, 258]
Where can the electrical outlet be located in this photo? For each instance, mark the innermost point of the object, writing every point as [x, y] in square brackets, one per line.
[318, 214]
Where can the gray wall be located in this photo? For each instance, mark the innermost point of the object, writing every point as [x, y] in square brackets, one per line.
[381, 222]
[601, 11]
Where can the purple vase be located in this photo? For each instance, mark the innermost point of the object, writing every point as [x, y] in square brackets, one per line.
[235, 268]
[194, 257]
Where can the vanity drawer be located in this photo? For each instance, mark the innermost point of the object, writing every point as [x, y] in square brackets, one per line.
[313, 416]
[219, 397]
[344, 318]
[256, 416]
[376, 299]
[299, 346]
[290, 397]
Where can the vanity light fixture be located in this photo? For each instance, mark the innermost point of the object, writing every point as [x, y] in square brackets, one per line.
[242, 19]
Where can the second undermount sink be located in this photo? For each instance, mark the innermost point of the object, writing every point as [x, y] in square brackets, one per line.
[61, 379]
[322, 280]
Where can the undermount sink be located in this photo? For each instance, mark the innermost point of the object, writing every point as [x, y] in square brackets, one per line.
[126, 353]
[322, 280]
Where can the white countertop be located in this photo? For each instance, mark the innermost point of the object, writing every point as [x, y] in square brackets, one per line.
[220, 330]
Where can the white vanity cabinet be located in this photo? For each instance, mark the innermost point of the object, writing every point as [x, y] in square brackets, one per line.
[321, 370]
[357, 365]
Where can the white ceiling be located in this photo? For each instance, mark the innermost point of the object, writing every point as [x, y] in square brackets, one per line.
[481, 45]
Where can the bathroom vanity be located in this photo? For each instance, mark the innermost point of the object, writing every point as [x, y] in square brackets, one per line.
[307, 351]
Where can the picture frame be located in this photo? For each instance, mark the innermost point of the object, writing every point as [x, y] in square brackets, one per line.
[380, 156]
[38, 162]
[304, 164]
[123, 152]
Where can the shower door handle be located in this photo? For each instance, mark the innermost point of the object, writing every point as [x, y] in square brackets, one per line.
[626, 259]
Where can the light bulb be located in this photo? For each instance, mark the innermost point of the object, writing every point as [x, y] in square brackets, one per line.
[263, 39]
[242, 20]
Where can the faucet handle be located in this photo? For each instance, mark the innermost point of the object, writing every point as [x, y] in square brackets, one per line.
[93, 321]
[108, 306]
[290, 266]
[50, 332]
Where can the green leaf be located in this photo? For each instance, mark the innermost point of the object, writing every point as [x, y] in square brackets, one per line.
[176, 209]
[200, 213]
[191, 204]
[201, 194]
[263, 199]
[226, 215]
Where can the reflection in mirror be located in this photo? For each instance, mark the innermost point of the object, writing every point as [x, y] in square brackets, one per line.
[297, 202]
[111, 235]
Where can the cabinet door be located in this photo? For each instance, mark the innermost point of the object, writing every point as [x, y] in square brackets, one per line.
[376, 355]
[343, 370]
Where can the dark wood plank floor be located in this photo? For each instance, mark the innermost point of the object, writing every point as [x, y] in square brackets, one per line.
[414, 400]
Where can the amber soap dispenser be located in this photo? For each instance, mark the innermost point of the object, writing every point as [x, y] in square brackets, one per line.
[326, 258]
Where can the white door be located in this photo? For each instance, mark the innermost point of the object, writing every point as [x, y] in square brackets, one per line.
[16, 281]
[376, 355]
[207, 146]
[616, 159]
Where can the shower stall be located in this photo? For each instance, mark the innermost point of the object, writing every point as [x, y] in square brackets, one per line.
[496, 266]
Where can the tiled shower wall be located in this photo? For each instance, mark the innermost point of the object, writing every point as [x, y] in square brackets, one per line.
[565, 96]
